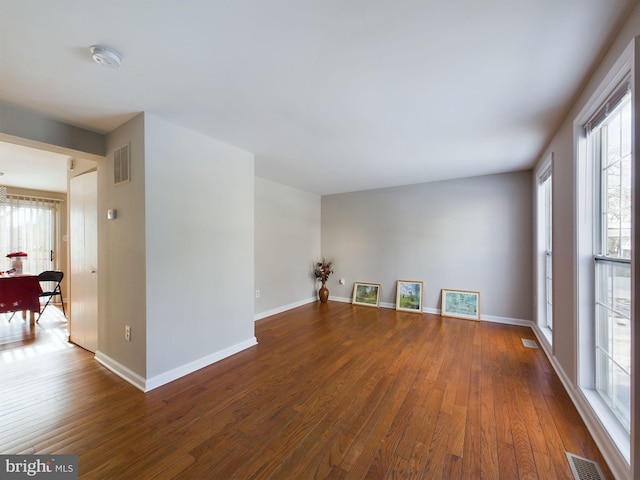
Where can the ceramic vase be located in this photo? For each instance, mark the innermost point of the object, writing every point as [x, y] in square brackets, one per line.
[323, 293]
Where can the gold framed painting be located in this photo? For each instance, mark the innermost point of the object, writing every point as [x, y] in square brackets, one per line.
[367, 294]
[409, 295]
[461, 304]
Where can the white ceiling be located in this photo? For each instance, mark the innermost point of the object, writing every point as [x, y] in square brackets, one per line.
[26, 167]
[331, 96]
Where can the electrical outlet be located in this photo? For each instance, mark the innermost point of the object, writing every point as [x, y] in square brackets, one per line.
[257, 293]
[127, 333]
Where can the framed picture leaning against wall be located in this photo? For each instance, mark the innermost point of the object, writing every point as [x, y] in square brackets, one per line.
[409, 294]
[367, 294]
[461, 304]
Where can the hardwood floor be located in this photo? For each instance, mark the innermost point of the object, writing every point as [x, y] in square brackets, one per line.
[330, 391]
[18, 340]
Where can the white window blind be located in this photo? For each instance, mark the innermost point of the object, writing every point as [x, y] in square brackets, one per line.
[616, 98]
[28, 224]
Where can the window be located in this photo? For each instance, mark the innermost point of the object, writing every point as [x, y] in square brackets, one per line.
[544, 247]
[29, 224]
[611, 147]
[604, 252]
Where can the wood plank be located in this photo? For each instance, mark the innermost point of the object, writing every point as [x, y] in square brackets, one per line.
[471, 454]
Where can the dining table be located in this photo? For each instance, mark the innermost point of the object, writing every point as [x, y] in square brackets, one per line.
[20, 293]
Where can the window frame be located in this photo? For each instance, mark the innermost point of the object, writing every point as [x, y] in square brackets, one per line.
[544, 247]
[606, 263]
[601, 419]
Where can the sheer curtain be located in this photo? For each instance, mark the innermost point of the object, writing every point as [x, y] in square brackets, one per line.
[28, 224]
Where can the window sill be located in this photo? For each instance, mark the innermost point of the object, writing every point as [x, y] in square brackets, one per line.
[616, 432]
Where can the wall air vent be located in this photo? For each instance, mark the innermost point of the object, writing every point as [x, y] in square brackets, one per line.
[121, 165]
[584, 469]
[3, 191]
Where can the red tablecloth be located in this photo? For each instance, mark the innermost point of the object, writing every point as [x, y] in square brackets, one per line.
[19, 292]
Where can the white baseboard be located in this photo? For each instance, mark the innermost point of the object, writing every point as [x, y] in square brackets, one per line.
[506, 320]
[349, 300]
[174, 374]
[340, 299]
[123, 372]
[436, 311]
[169, 376]
[284, 308]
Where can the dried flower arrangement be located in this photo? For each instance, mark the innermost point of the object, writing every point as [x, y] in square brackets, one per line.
[323, 269]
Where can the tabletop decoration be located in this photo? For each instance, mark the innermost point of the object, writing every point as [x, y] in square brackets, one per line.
[16, 260]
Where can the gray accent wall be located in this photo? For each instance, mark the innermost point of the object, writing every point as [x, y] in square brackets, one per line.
[31, 126]
[287, 241]
[121, 253]
[471, 234]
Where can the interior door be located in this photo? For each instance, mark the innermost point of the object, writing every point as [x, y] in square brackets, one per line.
[83, 258]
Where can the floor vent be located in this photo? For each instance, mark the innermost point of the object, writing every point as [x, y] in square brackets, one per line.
[584, 469]
[529, 343]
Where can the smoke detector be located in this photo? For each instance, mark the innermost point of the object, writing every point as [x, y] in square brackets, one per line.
[105, 56]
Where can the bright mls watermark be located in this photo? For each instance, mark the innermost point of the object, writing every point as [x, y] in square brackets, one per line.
[53, 467]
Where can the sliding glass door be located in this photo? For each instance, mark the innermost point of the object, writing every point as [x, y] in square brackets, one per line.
[28, 224]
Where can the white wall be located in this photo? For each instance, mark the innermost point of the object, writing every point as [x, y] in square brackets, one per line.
[287, 241]
[565, 317]
[472, 234]
[199, 249]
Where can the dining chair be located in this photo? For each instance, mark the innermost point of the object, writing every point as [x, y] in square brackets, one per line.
[55, 277]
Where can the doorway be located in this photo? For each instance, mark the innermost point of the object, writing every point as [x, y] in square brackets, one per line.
[46, 170]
